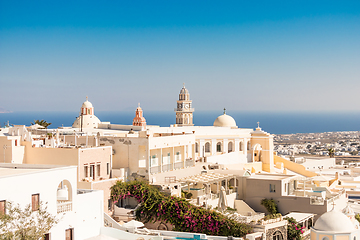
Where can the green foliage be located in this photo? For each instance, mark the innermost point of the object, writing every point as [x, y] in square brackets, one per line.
[331, 152]
[272, 216]
[294, 230]
[357, 217]
[187, 195]
[270, 206]
[41, 123]
[184, 216]
[25, 224]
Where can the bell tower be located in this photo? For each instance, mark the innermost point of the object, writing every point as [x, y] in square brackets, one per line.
[139, 120]
[184, 110]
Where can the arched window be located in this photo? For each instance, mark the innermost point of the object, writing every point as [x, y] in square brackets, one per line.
[207, 147]
[248, 145]
[277, 236]
[230, 147]
[218, 147]
[196, 147]
[241, 146]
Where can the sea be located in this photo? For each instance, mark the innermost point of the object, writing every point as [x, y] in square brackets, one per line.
[272, 122]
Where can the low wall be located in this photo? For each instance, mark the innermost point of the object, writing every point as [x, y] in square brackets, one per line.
[295, 167]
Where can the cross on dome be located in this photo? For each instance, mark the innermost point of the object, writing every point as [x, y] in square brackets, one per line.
[258, 123]
[224, 110]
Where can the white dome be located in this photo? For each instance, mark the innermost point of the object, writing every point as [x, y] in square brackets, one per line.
[87, 104]
[88, 121]
[224, 121]
[334, 221]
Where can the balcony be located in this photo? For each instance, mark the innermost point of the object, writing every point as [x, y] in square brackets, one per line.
[155, 169]
[184, 110]
[167, 167]
[63, 207]
[189, 163]
[178, 165]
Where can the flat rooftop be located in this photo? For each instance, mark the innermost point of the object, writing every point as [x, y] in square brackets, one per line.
[10, 169]
[270, 176]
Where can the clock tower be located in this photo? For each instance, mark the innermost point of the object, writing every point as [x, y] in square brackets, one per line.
[184, 110]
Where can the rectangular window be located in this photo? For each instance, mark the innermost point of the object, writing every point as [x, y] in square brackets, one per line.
[272, 187]
[47, 236]
[98, 170]
[86, 171]
[108, 168]
[69, 234]
[35, 202]
[2, 207]
[92, 171]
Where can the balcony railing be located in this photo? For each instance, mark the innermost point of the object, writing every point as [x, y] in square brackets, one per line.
[155, 169]
[64, 207]
[189, 163]
[166, 167]
[178, 165]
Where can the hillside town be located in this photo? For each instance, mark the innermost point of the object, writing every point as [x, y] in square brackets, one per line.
[103, 180]
[345, 143]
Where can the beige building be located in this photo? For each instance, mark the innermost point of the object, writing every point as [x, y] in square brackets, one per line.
[291, 193]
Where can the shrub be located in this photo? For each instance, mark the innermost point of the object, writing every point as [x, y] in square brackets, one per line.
[270, 206]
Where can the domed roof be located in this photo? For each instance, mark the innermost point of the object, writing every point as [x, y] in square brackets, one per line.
[87, 104]
[334, 221]
[88, 121]
[184, 91]
[224, 121]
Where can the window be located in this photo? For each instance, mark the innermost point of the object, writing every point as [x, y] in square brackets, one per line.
[47, 236]
[92, 171]
[248, 146]
[241, 146]
[98, 170]
[2, 207]
[207, 147]
[108, 168]
[272, 187]
[218, 147]
[277, 236]
[230, 147]
[15, 142]
[69, 234]
[196, 147]
[177, 157]
[86, 171]
[154, 161]
[35, 202]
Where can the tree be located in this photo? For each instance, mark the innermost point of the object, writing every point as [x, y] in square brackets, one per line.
[270, 206]
[41, 122]
[331, 152]
[25, 224]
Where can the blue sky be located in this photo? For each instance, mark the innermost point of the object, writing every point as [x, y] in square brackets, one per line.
[242, 55]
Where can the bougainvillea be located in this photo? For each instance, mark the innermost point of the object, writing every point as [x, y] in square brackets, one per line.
[184, 216]
[295, 230]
